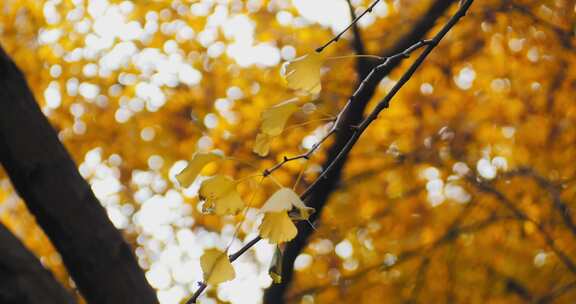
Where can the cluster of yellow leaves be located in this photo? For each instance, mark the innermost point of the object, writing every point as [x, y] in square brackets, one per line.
[302, 75]
[221, 198]
[219, 192]
[277, 226]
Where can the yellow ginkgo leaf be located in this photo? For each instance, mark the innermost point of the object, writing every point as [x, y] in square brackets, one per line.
[282, 200]
[220, 196]
[215, 187]
[303, 73]
[196, 164]
[216, 267]
[262, 144]
[231, 203]
[277, 227]
[274, 119]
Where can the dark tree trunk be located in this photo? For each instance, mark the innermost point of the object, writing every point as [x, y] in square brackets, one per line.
[23, 280]
[321, 193]
[99, 260]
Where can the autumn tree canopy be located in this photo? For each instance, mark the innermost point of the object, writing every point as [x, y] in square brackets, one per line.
[287, 151]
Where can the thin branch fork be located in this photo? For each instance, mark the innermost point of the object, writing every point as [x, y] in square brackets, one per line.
[306, 155]
[373, 75]
[358, 131]
[339, 121]
[386, 100]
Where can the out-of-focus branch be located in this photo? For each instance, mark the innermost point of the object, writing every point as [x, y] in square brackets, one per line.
[521, 215]
[419, 280]
[548, 298]
[357, 42]
[23, 280]
[449, 236]
[554, 192]
[99, 260]
[564, 35]
[512, 284]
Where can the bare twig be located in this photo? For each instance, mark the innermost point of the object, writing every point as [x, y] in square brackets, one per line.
[306, 155]
[374, 74]
[358, 44]
[337, 37]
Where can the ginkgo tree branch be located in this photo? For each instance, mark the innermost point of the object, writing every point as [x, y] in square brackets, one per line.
[358, 131]
[339, 122]
[355, 105]
[361, 62]
[385, 102]
[306, 155]
[353, 115]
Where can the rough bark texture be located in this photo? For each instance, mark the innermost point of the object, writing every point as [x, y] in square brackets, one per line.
[99, 260]
[321, 193]
[23, 280]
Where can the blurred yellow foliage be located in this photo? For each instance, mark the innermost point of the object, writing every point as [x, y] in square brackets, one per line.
[462, 191]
